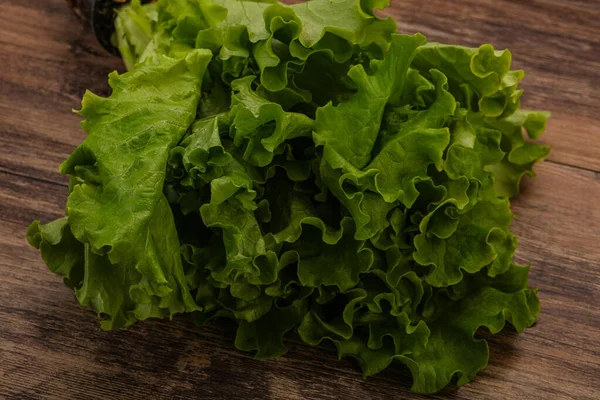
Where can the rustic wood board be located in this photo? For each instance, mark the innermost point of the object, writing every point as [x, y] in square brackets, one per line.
[52, 348]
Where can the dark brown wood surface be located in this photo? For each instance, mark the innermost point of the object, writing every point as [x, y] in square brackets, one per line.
[52, 348]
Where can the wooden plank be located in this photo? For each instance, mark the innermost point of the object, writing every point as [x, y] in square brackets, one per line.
[52, 348]
[43, 329]
[48, 61]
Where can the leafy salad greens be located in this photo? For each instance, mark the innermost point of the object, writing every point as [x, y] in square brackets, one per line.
[302, 168]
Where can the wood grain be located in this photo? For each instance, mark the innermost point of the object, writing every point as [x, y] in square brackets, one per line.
[52, 348]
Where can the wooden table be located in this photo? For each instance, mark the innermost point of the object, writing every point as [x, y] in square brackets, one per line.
[52, 348]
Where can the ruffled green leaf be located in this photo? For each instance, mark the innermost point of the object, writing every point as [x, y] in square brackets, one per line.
[262, 126]
[265, 336]
[351, 128]
[521, 155]
[463, 356]
[125, 215]
[479, 78]
[302, 168]
[452, 241]
[61, 252]
[321, 264]
[134, 27]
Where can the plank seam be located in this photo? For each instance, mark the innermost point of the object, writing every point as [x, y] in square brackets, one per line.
[21, 175]
[573, 166]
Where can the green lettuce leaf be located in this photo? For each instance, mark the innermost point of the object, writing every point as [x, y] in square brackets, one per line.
[122, 218]
[463, 355]
[302, 169]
